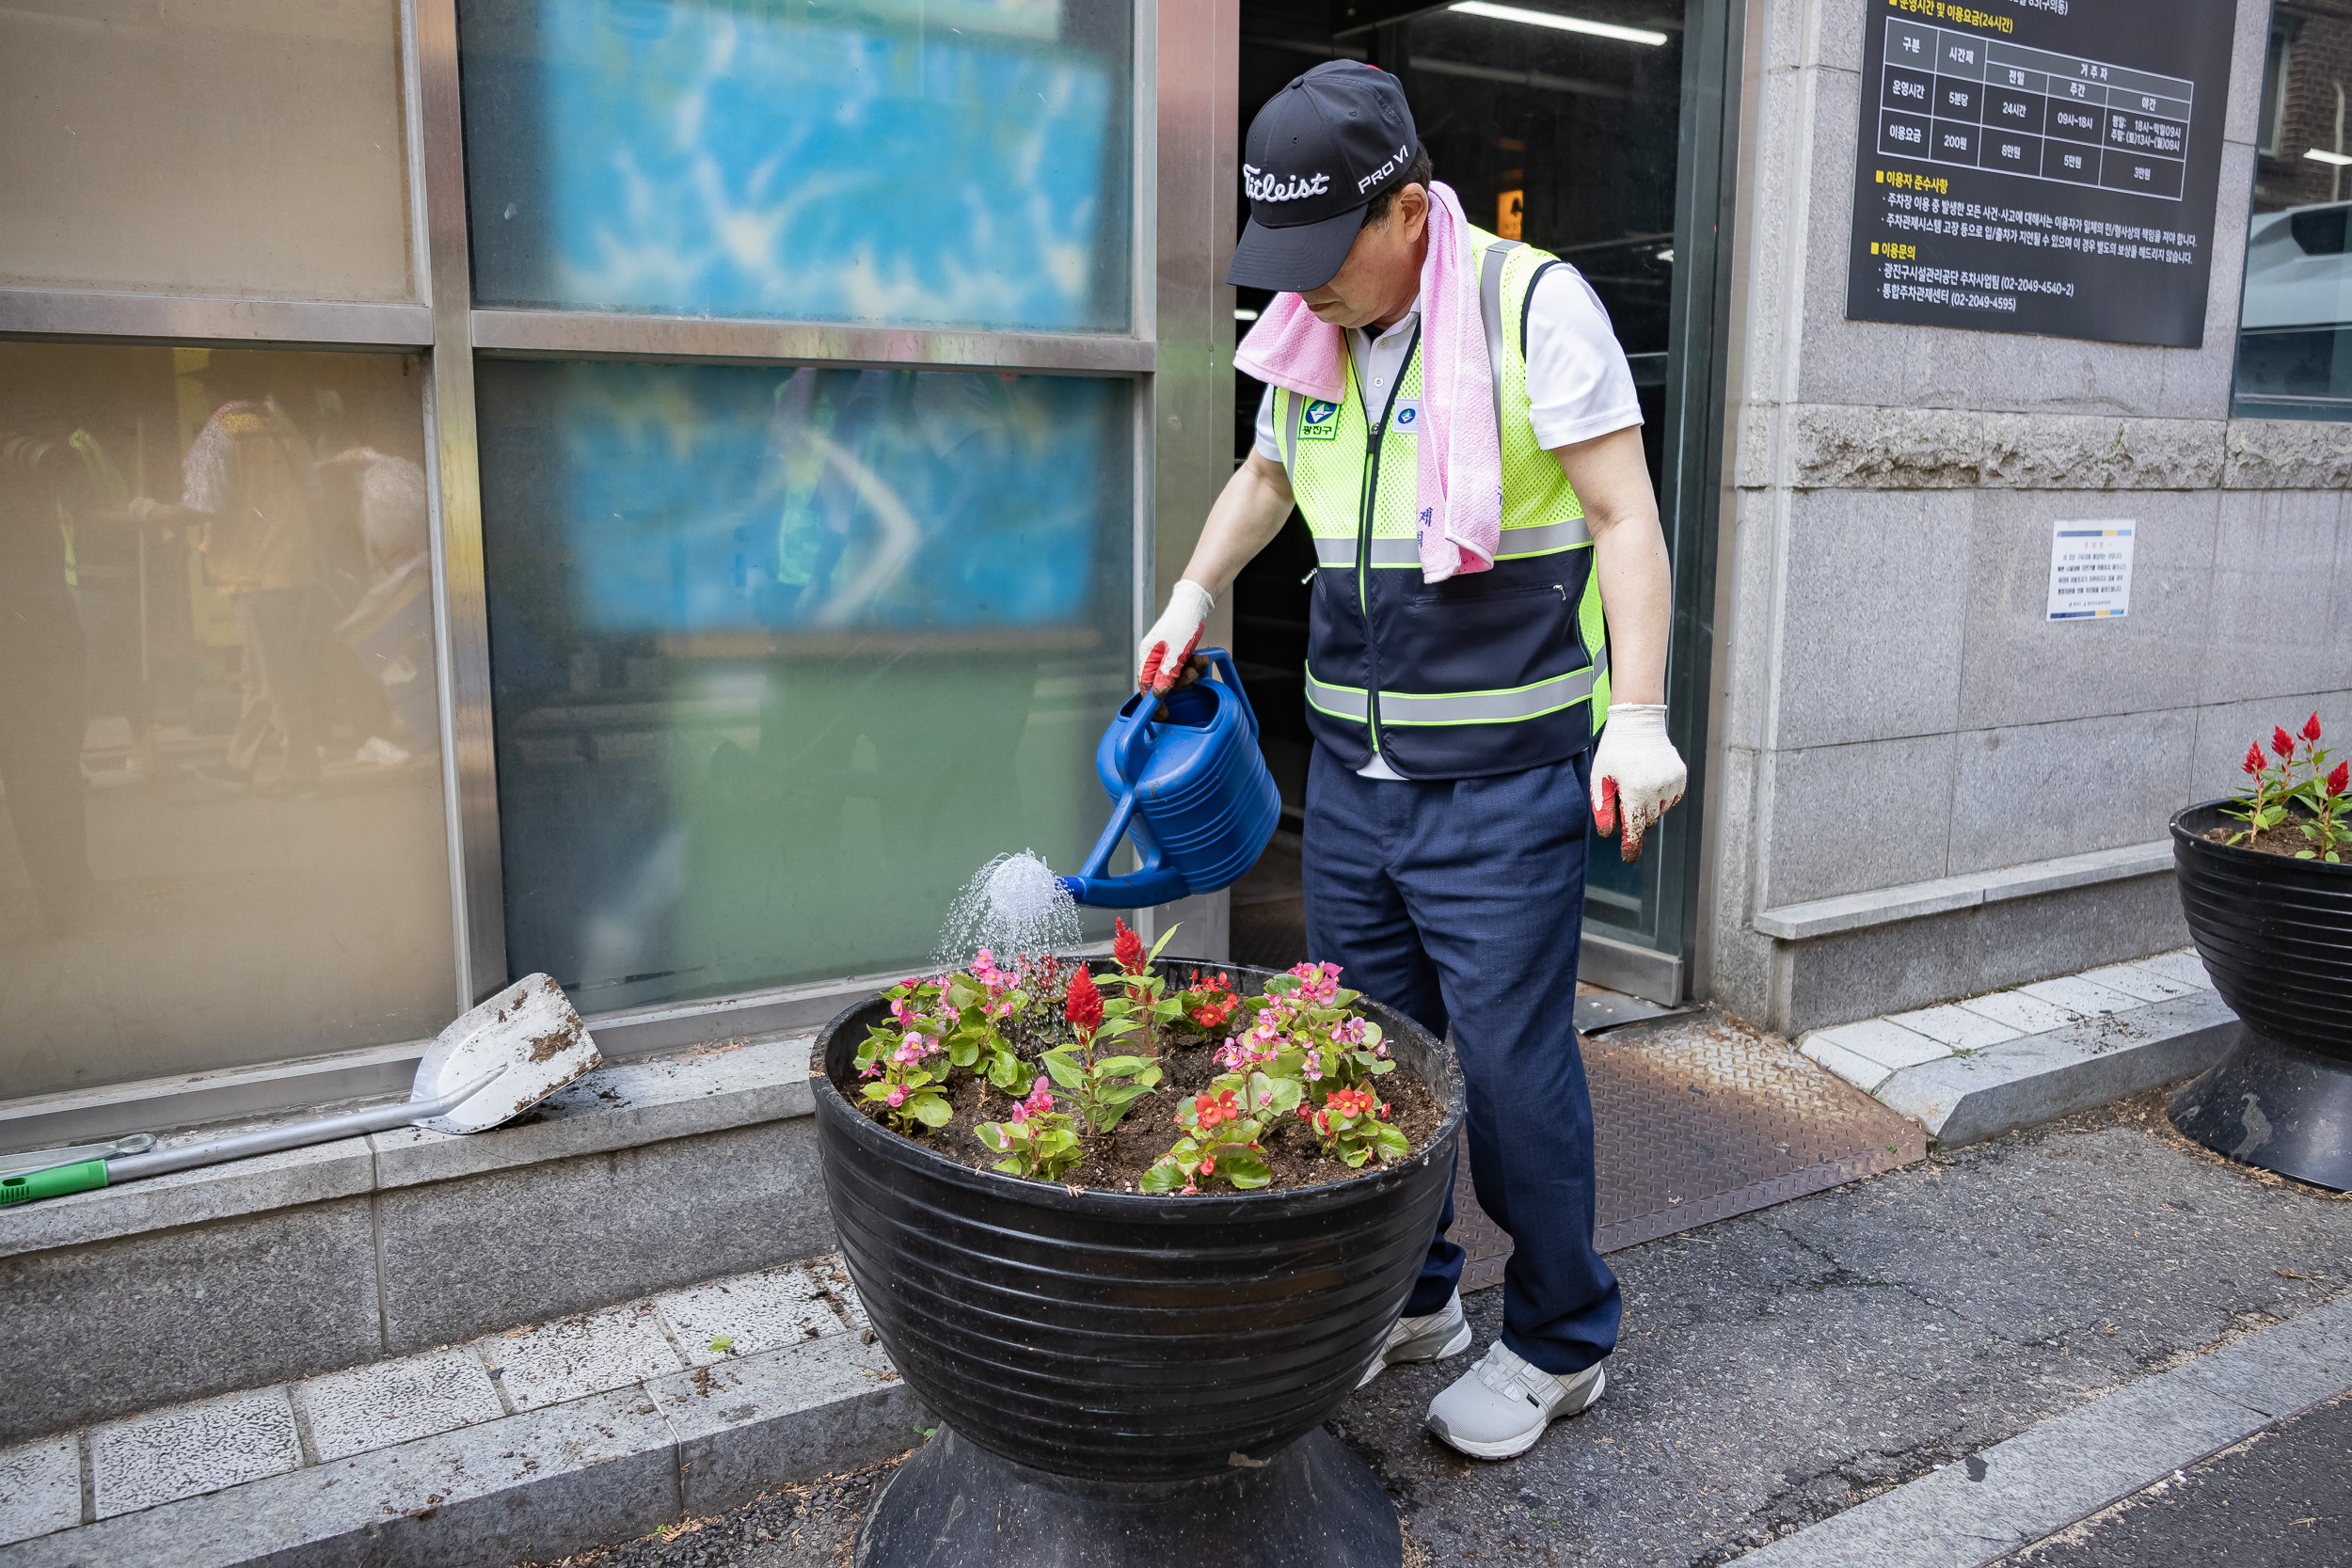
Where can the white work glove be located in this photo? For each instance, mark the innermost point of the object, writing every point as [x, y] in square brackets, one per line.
[1636, 774]
[1160, 657]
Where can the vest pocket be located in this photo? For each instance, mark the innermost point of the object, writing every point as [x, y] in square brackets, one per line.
[1490, 641]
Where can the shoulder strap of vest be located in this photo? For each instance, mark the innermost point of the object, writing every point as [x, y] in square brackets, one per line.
[1490, 311]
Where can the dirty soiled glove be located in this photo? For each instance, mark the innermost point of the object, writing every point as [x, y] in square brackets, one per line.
[1160, 657]
[1637, 773]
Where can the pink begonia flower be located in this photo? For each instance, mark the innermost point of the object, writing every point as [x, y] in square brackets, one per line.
[898, 1096]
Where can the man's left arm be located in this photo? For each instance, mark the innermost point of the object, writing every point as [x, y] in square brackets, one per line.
[1637, 773]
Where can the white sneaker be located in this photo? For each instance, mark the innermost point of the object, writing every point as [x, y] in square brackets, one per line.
[1498, 1408]
[1442, 1333]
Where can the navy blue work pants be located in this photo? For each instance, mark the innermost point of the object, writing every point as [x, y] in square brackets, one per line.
[1460, 903]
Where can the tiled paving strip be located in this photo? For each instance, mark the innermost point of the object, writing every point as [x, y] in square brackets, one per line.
[187, 1451]
[2074, 1034]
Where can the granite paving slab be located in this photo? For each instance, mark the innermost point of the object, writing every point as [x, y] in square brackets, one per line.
[394, 1402]
[41, 1488]
[192, 1449]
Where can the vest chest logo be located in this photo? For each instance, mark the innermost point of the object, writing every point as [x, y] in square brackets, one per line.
[1319, 421]
[1407, 419]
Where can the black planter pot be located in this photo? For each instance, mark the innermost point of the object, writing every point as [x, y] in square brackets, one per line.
[1115, 1373]
[2276, 935]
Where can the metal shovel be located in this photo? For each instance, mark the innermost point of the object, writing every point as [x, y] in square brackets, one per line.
[492, 1065]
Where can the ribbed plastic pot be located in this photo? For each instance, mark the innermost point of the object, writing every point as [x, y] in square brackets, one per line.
[1117, 1337]
[2276, 935]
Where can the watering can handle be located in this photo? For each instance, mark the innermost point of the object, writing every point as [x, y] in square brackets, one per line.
[1222, 662]
[1133, 723]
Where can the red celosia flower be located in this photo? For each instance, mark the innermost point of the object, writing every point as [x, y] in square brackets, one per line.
[2341, 780]
[1127, 948]
[2281, 741]
[2311, 729]
[1083, 1006]
[2255, 762]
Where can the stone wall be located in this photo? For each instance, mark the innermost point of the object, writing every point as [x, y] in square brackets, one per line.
[1893, 708]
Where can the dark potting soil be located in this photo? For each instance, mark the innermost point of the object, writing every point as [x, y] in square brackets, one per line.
[1116, 1161]
[2285, 839]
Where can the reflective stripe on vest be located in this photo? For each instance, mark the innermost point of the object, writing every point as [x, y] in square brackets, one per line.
[1460, 707]
[1518, 545]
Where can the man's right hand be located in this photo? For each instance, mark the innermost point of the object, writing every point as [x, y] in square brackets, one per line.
[1163, 657]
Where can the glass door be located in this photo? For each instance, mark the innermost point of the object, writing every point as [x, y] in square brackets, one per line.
[1592, 128]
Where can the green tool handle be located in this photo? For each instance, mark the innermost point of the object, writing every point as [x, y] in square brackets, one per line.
[86, 1176]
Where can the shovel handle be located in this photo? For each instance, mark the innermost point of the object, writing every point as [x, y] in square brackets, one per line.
[85, 1175]
[300, 1134]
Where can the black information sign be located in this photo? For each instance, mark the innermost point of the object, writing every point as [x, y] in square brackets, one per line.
[2040, 165]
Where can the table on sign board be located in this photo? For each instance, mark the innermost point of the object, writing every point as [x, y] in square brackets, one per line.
[2040, 165]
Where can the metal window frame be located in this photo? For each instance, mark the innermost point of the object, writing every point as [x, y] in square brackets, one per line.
[1180, 101]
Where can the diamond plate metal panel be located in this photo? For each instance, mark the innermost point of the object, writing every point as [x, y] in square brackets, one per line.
[1696, 1117]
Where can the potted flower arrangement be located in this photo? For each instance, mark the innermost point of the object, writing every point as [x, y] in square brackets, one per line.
[2265, 880]
[1132, 1232]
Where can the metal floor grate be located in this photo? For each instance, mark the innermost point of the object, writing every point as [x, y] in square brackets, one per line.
[1696, 1117]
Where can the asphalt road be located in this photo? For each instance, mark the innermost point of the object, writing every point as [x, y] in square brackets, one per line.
[1780, 1367]
[2280, 1499]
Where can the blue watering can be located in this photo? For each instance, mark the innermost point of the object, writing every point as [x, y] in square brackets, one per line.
[1193, 792]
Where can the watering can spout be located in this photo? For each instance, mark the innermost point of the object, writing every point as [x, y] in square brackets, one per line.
[1134, 891]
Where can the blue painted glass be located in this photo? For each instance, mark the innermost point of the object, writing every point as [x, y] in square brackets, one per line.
[780, 656]
[920, 162]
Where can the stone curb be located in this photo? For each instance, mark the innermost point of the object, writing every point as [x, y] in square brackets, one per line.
[2022, 1083]
[2016, 1492]
[607, 1468]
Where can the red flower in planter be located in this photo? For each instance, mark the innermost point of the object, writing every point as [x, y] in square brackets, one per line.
[2311, 729]
[2255, 762]
[1083, 1006]
[2282, 742]
[1127, 948]
[2341, 780]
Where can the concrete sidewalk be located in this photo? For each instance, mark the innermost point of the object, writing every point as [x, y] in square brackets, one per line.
[1780, 1368]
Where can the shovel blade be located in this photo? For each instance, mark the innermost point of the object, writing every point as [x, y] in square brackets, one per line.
[531, 1031]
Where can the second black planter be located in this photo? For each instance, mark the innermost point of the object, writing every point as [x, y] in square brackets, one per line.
[2276, 935]
[1109, 1341]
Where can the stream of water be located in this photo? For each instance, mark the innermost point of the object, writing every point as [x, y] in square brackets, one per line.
[1012, 905]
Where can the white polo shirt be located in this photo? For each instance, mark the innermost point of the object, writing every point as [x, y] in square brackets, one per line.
[1579, 385]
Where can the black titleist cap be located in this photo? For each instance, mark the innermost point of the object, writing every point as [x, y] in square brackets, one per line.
[1319, 150]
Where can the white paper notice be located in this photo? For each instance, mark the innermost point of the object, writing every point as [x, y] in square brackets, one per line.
[2091, 570]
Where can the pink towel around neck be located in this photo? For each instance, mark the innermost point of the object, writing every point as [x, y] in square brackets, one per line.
[1457, 480]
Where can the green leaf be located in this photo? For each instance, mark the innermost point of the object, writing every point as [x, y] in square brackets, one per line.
[1162, 942]
[991, 1136]
[1393, 1144]
[963, 1052]
[723, 1343]
[1121, 1067]
[1353, 1153]
[1006, 1073]
[1149, 1077]
[1066, 1072]
[1162, 1178]
[1017, 1165]
[932, 1111]
[1242, 1166]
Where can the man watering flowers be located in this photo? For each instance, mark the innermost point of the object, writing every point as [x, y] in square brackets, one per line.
[1457, 423]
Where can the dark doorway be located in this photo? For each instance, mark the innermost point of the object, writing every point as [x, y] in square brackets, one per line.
[1582, 123]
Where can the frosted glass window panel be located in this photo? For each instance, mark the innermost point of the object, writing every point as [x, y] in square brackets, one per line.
[781, 656]
[220, 793]
[2295, 323]
[922, 161]
[251, 148]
